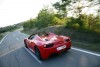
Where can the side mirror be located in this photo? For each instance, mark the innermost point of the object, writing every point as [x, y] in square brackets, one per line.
[30, 37]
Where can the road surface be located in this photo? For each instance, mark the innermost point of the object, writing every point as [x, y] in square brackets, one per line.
[14, 54]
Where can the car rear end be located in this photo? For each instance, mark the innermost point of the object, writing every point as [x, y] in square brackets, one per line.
[55, 47]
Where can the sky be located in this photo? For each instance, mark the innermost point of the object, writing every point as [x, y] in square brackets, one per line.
[16, 11]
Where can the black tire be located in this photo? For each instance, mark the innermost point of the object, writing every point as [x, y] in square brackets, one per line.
[37, 53]
[25, 44]
[67, 49]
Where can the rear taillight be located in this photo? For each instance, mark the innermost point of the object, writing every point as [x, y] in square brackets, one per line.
[48, 45]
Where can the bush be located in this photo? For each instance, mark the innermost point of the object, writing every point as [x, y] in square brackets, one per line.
[29, 24]
[71, 22]
[84, 22]
[8, 28]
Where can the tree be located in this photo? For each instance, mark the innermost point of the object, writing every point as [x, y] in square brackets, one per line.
[61, 7]
[45, 17]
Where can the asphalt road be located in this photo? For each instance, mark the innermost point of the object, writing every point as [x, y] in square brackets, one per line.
[14, 54]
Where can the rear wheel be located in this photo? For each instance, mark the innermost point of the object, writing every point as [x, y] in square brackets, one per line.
[25, 44]
[37, 53]
[67, 49]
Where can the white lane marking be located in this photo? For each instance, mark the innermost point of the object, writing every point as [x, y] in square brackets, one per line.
[3, 38]
[17, 38]
[86, 51]
[33, 55]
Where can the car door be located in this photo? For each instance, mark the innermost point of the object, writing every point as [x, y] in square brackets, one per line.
[31, 43]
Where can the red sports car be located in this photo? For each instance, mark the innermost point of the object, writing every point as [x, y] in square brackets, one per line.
[45, 45]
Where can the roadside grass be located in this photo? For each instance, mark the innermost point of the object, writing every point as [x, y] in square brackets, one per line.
[85, 39]
[1, 36]
[88, 46]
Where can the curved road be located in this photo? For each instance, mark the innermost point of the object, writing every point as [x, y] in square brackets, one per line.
[14, 54]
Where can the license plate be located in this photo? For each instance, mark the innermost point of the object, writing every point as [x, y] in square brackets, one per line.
[61, 47]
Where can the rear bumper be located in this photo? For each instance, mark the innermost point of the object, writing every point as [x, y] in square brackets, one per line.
[47, 52]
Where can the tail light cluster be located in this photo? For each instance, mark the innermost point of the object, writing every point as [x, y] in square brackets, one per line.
[48, 45]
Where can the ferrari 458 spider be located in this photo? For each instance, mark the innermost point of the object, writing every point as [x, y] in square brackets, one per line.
[45, 45]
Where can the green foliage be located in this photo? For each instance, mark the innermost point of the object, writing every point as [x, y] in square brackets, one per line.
[85, 22]
[58, 21]
[82, 21]
[8, 28]
[45, 18]
[61, 7]
[29, 24]
[1, 36]
[71, 22]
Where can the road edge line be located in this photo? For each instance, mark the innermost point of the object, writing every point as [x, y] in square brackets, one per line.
[85, 51]
[3, 38]
[33, 55]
